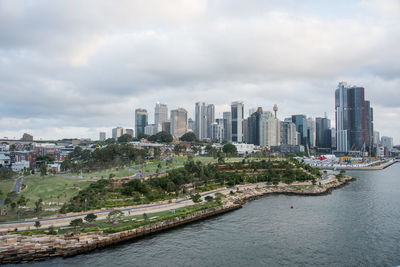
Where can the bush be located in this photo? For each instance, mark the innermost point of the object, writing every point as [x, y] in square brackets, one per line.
[209, 198]
[115, 216]
[76, 223]
[196, 198]
[90, 217]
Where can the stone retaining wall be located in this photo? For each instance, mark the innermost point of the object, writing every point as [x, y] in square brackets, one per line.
[18, 249]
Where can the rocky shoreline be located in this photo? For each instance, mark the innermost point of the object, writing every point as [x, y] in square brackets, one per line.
[15, 248]
[255, 193]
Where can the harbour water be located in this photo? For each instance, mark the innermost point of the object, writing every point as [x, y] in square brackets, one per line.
[357, 225]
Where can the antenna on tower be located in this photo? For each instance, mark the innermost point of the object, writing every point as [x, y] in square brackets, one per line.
[275, 109]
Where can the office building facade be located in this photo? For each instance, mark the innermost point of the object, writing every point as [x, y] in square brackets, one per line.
[237, 112]
[179, 122]
[140, 121]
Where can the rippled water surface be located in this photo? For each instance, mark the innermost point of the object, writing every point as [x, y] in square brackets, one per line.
[357, 225]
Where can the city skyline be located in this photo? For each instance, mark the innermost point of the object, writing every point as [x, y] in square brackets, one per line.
[262, 53]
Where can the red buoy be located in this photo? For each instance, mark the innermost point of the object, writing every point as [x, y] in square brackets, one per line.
[291, 207]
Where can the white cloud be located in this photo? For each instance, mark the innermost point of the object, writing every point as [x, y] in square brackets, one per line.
[85, 66]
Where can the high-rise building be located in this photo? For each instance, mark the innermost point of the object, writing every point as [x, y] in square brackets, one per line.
[227, 117]
[263, 129]
[354, 118]
[311, 132]
[218, 131]
[140, 121]
[369, 124]
[270, 134]
[246, 130]
[102, 136]
[192, 125]
[160, 113]
[253, 125]
[377, 139]
[152, 129]
[210, 119]
[387, 142]
[237, 111]
[288, 133]
[166, 127]
[179, 122]
[205, 117]
[201, 120]
[301, 127]
[117, 132]
[323, 133]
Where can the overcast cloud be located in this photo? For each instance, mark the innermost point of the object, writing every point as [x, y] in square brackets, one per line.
[74, 68]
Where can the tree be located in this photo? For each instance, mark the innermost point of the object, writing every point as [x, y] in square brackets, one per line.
[196, 198]
[125, 138]
[229, 149]
[76, 223]
[178, 148]
[161, 137]
[143, 136]
[188, 137]
[43, 169]
[38, 206]
[37, 224]
[110, 141]
[6, 173]
[115, 216]
[90, 217]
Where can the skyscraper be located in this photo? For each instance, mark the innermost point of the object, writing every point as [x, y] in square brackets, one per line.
[160, 113]
[237, 111]
[227, 117]
[263, 128]
[311, 132]
[354, 118]
[253, 125]
[179, 122]
[102, 136]
[301, 127]
[323, 132]
[201, 120]
[117, 132]
[140, 121]
[192, 125]
[210, 119]
[204, 118]
[288, 133]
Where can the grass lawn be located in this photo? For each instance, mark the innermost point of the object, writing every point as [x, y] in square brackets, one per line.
[6, 186]
[121, 172]
[152, 166]
[49, 188]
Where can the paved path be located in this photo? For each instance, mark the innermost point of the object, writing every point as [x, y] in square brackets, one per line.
[18, 184]
[17, 187]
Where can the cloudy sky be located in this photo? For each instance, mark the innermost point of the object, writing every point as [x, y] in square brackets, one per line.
[74, 68]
